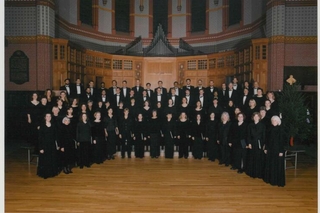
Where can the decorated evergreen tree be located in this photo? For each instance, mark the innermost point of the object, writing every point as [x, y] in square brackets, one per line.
[294, 113]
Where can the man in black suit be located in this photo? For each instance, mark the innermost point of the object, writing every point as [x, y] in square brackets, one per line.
[188, 86]
[102, 87]
[112, 90]
[175, 98]
[125, 93]
[209, 91]
[144, 97]
[103, 96]
[254, 89]
[150, 92]
[233, 94]
[87, 96]
[158, 97]
[236, 86]
[223, 95]
[68, 88]
[199, 87]
[138, 89]
[117, 98]
[203, 99]
[190, 98]
[244, 100]
[93, 90]
[162, 89]
[79, 89]
[178, 90]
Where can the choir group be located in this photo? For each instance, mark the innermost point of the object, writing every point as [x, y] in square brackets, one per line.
[238, 125]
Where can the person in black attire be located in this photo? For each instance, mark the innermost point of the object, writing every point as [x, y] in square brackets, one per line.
[188, 86]
[102, 88]
[233, 94]
[198, 133]
[111, 131]
[98, 139]
[244, 100]
[33, 114]
[68, 88]
[87, 96]
[112, 91]
[184, 107]
[223, 95]
[163, 90]
[159, 97]
[84, 141]
[149, 91]
[169, 132]
[230, 109]
[56, 117]
[43, 108]
[146, 111]
[256, 145]
[48, 166]
[90, 110]
[174, 97]
[67, 145]
[215, 108]
[203, 99]
[275, 171]
[211, 138]
[133, 109]
[139, 136]
[154, 127]
[183, 135]
[125, 93]
[142, 98]
[171, 108]
[223, 139]
[250, 110]
[125, 133]
[191, 99]
[102, 96]
[264, 119]
[209, 91]
[93, 91]
[79, 89]
[137, 89]
[117, 98]
[259, 98]
[238, 140]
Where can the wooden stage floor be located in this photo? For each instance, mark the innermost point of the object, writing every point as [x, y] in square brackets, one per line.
[157, 185]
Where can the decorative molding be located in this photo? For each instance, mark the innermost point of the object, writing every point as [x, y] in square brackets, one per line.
[217, 8]
[141, 15]
[103, 8]
[294, 39]
[28, 39]
[180, 14]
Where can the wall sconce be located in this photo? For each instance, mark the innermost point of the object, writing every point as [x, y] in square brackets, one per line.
[179, 7]
[104, 2]
[141, 7]
[216, 2]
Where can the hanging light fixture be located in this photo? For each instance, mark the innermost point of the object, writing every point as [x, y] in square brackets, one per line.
[141, 7]
[179, 7]
[216, 2]
[104, 2]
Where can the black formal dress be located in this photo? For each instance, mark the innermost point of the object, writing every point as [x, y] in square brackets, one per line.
[275, 171]
[223, 137]
[256, 157]
[139, 133]
[126, 131]
[84, 140]
[183, 130]
[48, 161]
[169, 132]
[238, 139]
[212, 134]
[32, 128]
[99, 148]
[198, 133]
[67, 141]
[154, 127]
[110, 126]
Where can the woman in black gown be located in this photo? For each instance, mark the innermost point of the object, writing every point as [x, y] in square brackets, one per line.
[184, 107]
[67, 145]
[198, 131]
[238, 138]
[98, 139]
[154, 127]
[125, 133]
[48, 159]
[139, 136]
[211, 138]
[84, 141]
[33, 115]
[256, 141]
[223, 139]
[275, 171]
[169, 131]
[170, 108]
[183, 135]
[111, 131]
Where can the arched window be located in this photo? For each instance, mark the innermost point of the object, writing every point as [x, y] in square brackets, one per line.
[235, 12]
[198, 15]
[86, 12]
[122, 15]
[160, 15]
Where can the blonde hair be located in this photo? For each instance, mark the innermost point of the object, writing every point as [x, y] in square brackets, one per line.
[276, 118]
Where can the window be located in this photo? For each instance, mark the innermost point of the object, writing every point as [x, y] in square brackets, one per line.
[62, 52]
[117, 64]
[86, 12]
[89, 61]
[72, 56]
[198, 15]
[220, 62]
[127, 65]
[55, 52]
[202, 64]
[212, 63]
[99, 62]
[160, 15]
[235, 12]
[107, 63]
[264, 51]
[122, 16]
[257, 52]
[192, 65]
[230, 61]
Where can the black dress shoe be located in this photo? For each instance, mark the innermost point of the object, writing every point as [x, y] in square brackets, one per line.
[232, 168]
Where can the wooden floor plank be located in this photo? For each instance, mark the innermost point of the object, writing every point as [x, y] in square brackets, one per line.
[156, 185]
